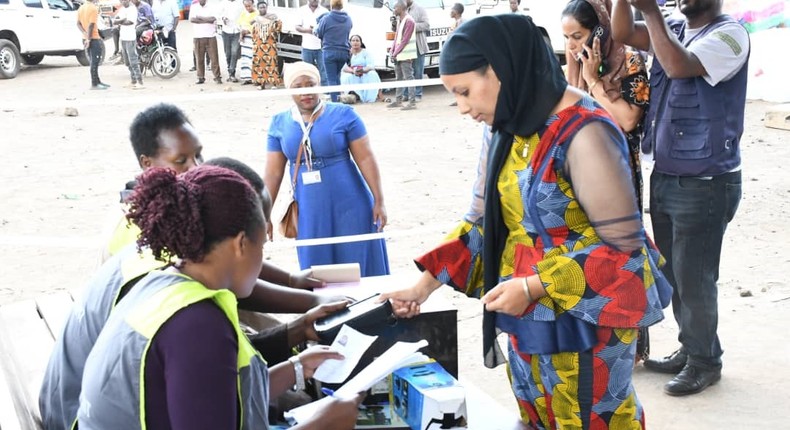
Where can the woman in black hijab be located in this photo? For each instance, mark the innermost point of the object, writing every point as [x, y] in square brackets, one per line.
[560, 259]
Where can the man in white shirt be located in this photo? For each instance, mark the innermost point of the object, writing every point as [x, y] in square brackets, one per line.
[231, 41]
[204, 32]
[311, 45]
[166, 13]
[126, 19]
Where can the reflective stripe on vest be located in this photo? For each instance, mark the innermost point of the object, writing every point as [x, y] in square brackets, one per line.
[59, 395]
[114, 382]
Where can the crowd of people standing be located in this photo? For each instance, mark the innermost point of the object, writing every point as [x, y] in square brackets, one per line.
[553, 244]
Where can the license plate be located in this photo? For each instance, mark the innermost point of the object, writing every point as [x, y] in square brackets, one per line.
[443, 31]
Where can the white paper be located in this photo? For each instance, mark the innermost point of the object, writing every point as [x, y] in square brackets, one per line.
[352, 344]
[399, 355]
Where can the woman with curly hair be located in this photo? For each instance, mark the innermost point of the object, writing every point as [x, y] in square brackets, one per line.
[172, 354]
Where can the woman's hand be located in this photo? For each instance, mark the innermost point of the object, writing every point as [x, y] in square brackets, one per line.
[336, 414]
[510, 297]
[406, 303]
[592, 63]
[312, 357]
[319, 312]
[303, 280]
[379, 215]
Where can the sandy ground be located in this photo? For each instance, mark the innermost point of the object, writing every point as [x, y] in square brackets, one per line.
[61, 176]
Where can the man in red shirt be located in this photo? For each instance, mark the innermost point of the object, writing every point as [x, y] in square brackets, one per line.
[87, 20]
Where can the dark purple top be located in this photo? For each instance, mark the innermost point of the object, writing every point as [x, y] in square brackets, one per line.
[190, 372]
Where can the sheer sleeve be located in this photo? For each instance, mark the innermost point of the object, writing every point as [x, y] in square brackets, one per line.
[458, 261]
[601, 180]
[475, 213]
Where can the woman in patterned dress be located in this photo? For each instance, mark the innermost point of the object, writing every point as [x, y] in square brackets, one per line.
[554, 245]
[616, 77]
[264, 58]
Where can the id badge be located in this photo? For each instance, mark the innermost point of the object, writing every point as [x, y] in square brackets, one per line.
[311, 177]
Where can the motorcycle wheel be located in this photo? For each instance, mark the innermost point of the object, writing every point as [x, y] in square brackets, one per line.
[165, 63]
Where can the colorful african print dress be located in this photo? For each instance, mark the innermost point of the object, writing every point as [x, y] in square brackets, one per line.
[572, 352]
[264, 58]
[635, 90]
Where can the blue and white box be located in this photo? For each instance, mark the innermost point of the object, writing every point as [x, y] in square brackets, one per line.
[427, 397]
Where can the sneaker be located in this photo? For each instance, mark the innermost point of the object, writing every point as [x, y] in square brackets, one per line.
[200, 81]
[99, 87]
[217, 80]
[233, 79]
[193, 69]
[138, 86]
[395, 103]
[410, 106]
[417, 99]
[104, 85]
[115, 56]
[118, 61]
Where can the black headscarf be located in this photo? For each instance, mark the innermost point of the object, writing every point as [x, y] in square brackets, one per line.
[532, 83]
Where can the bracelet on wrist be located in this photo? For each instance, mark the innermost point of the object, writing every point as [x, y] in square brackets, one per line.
[299, 385]
[525, 285]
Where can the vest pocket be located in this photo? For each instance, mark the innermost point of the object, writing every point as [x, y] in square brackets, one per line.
[690, 140]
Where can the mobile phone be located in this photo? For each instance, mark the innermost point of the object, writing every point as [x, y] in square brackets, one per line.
[602, 35]
[360, 314]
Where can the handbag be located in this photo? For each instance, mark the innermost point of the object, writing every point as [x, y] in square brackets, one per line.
[290, 219]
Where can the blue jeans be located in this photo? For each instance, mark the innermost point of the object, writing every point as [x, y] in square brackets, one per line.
[231, 44]
[333, 65]
[94, 54]
[419, 71]
[316, 58]
[689, 216]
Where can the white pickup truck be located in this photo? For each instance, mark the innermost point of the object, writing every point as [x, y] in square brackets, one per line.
[31, 29]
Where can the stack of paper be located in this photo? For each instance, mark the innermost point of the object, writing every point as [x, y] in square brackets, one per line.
[399, 355]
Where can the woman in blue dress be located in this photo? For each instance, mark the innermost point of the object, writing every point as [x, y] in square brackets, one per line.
[360, 70]
[337, 185]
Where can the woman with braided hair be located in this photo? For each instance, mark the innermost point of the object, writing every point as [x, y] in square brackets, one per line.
[172, 354]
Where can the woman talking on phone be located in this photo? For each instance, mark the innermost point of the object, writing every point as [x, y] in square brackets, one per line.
[615, 76]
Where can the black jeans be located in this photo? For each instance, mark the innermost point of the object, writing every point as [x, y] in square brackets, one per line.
[690, 216]
[231, 44]
[94, 54]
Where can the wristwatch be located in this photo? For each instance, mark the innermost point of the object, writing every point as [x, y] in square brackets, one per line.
[298, 373]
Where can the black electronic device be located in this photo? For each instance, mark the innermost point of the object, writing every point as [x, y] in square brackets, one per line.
[598, 32]
[360, 315]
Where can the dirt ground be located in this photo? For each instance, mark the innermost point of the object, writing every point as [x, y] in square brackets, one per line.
[61, 176]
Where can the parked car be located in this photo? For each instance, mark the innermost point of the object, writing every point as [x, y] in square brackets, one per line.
[32, 29]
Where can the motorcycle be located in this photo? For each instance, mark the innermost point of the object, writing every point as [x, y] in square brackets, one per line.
[154, 55]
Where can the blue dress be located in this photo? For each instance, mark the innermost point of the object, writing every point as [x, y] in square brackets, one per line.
[341, 204]
[366, 60]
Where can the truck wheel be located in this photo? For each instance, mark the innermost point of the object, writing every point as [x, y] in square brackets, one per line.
[9, 59]
[85, 60]
[165, 63]
[32, 59]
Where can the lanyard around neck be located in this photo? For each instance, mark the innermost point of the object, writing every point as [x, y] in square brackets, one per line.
[308, 147]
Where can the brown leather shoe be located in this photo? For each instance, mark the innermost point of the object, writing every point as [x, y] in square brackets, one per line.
[671, 364]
